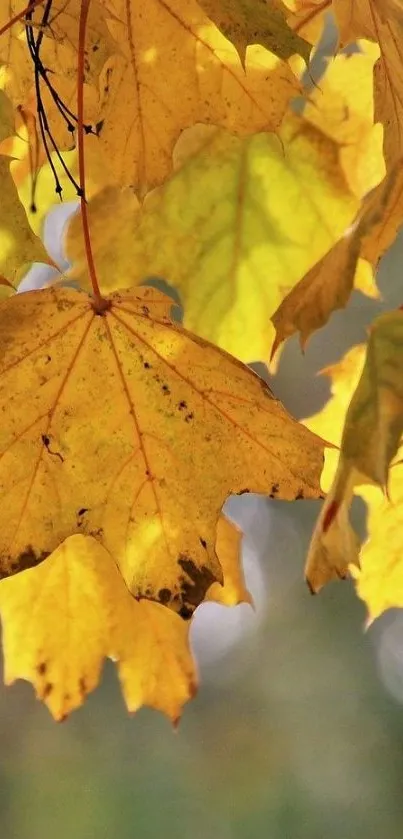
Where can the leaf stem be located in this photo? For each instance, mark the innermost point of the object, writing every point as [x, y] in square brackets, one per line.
[99, 303]
[31, 6]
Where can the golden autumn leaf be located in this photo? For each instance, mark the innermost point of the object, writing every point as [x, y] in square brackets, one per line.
[130, 418]
[233, 254]
[18, 243]
[376, 20]
[345, 88]
[228, 547]
[69, 637]
[153, 95]
[372, 431]
[344, 376]
[384, 229]
[328, 285]
[246, 22]
[374, 420]
[342, 107]
[333, 547]
[379, 580]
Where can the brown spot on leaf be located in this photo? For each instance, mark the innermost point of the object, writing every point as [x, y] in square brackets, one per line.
[195, 584]
[299, 495]
[80, 515]
[98, 533]
[47, 690]
[46, 442]
[42, 668]
[164, 595]
[203, 543]
[28, 558]
[82, 687]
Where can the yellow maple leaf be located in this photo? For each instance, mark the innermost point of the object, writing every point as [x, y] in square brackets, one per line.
[352, 91]
[62, 619]
[233, 254]
[153, 96]
[372, 430]
[70, 636]
[376, 20]
[244, 22]
[328, 285]
[130, 418]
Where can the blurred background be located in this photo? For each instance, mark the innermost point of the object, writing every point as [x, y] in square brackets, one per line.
[297, 730]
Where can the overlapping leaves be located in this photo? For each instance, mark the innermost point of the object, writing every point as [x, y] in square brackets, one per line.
[112, 483]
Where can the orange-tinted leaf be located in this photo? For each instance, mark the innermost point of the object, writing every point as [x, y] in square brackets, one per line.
[372, 431]
[137, 432]
[328, 285]
[334, 545]
[152, 96]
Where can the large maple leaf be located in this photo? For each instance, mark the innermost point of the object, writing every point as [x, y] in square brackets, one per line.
[136, 433]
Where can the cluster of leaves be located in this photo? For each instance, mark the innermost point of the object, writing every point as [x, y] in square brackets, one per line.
[202, 154]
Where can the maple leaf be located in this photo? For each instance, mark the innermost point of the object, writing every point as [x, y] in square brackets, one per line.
[246, 22]
[153, 96]
[371, 436]
[377, 20]
[129, 419]
[69, 638]
[328, 285]
[233, 254]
